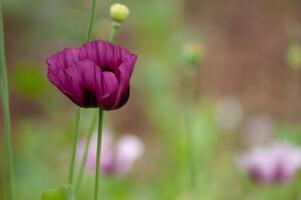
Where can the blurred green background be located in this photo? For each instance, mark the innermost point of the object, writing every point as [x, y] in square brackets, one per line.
[247, 72]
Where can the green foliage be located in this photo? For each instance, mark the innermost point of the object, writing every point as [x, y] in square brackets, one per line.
[64, 192]
[290, 132]
[28, 80]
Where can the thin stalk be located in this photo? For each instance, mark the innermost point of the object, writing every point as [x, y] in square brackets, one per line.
[191, 137]
[114, 31]
[99, 135]
[87, 147]
[91, 20]
[80, 110]
[192, 158]
[6, 113]
[292, 94]
[98, 153]
[74, 146]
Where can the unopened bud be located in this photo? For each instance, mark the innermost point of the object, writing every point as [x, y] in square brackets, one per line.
[119, 12]
[294, 56]
[193, 54]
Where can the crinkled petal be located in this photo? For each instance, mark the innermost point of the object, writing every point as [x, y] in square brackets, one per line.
[104, 54]
[87, 86]
[61, 61]
[125, 73]
[110, 88]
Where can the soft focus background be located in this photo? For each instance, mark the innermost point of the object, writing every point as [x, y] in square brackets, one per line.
[248, 94]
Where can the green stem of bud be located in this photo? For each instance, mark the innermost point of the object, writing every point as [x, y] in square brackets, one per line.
[115, 28]
[100, 127]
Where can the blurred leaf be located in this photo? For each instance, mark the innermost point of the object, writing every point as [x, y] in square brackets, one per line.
[294, 56]
[28, 80]
[64, 192]
[290, 133]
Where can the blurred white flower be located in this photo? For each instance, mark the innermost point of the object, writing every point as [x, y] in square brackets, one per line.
[258, 129]
[128, 149]
[276, 163]
[228, 113]
[116, 158]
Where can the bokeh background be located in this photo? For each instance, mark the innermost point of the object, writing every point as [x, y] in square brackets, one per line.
[248, 94]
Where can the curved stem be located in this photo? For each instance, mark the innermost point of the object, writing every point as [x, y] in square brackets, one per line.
[87, 146]
[75, 137]
[6, 112]
[91, 20]
[98, 153]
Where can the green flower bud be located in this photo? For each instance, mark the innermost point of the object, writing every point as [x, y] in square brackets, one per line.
[119, 12]
[193, 54]
[294, 56]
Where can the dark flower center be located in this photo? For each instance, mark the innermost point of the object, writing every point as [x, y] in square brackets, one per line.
[89, 97]
[108, 69]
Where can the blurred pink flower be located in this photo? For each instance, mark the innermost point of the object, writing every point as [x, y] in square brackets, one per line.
[276, 163]
[116, 158]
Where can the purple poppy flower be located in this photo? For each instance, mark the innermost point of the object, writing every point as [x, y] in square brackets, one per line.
[117, 158]
[94, 75]
[275, 163]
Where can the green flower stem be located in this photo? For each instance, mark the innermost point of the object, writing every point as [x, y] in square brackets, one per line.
[115, 28]
[80, 110]
[292, 94]
[91, 129]
[193, 160]
[98, 158]
[6, 112]
[99, 135]
[87, 146]
[91, 20]
[74, 146]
